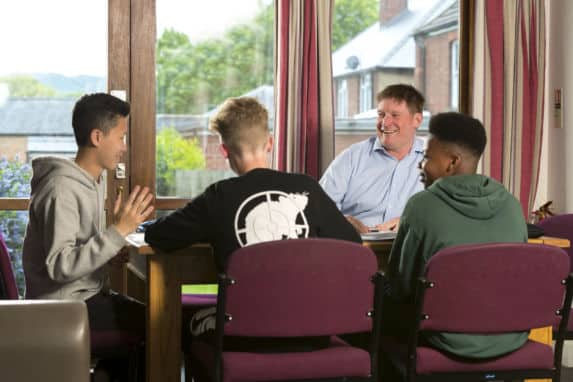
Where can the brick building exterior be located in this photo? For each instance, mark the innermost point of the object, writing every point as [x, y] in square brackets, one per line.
[436, 60]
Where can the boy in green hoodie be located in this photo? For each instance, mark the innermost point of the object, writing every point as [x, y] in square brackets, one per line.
[457, 206]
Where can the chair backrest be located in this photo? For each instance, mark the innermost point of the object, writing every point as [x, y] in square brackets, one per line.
[8, 287]
[560, 226]
[306, 287]
[494, 288]
[44, 340]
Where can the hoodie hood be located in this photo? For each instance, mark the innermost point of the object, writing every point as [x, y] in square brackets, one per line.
[45, 168]
[475, 196]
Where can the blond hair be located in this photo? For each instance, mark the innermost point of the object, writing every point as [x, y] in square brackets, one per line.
[242, 124]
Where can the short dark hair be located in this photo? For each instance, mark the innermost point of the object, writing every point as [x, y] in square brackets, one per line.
[459, 129]
[403, 92]
[96, 111]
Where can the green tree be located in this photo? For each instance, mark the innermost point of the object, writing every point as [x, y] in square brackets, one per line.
[175, 153]
[350, 18]
[26, 86]
[195, 78]
[175, 87]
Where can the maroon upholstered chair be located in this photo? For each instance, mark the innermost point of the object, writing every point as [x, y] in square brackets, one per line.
[293, 289]
[198, 300]
[488, 289]
[561, 226]
[8, 286]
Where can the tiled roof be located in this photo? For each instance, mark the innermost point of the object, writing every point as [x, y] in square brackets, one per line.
[388, 46]
[37, 116]
[53, 116]
[447, 19]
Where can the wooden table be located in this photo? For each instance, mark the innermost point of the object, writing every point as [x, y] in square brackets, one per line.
[166, 272]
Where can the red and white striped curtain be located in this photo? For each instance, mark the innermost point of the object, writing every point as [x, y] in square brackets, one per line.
[304, 127]
[509, 73]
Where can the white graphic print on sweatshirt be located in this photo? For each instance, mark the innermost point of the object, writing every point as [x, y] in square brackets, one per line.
[271, 215]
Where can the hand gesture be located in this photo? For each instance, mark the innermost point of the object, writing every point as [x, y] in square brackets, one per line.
[135, 211]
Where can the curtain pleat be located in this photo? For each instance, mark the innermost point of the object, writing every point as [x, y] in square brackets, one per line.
[304, 133]
[510, 61]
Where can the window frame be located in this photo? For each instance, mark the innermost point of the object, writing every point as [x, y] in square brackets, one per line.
[454, 74]
[342, 98]
[365, 92]
[131, 39]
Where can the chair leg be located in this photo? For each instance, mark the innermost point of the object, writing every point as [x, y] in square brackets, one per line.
[389, 372]
[99, 374]
[136, 368]
[187, 363]
[194, 373]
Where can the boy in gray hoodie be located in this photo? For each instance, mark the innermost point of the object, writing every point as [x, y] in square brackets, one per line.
[67, 244]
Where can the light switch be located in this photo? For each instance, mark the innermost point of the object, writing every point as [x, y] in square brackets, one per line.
[120, 171]
[558, 107]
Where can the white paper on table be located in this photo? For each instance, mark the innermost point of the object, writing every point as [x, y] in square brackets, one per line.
[378, 235]
[137, 239]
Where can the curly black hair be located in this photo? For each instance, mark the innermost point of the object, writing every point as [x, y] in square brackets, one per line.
[460, 129]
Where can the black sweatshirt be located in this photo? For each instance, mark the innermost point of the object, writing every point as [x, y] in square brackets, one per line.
[258, 206]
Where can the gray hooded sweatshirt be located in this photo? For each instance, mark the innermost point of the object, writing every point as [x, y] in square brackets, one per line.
[66, 245]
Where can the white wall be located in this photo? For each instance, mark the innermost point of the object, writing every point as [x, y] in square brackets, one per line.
[556, 181]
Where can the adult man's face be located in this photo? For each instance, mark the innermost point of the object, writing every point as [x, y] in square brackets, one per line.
[396, 126]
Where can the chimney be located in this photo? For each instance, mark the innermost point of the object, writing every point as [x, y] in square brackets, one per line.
[390, 8]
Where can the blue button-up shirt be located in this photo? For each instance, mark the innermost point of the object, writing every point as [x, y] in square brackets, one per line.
[365, 181]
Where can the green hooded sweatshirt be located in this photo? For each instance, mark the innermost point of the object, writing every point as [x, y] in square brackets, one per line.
[460, 209]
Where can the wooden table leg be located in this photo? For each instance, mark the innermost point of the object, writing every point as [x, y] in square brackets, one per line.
[163, 343]
[165, 275]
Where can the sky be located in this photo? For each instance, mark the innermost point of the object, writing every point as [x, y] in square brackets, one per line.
[70, 36]
[58, 36]
[204, 18]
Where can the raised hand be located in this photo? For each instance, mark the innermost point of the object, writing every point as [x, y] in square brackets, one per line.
[135, 211]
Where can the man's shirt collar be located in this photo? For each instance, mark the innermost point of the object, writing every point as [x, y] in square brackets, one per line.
[417, 147]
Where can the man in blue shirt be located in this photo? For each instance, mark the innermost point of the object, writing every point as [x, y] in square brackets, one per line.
[372, 180]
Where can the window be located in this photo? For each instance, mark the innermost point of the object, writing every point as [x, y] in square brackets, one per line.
[205, 53]
[454, 74]
[409, 41]
[365, 92]
[38, 88]
[342, 100]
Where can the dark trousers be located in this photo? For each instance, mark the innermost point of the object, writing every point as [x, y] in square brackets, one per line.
[115, 312]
